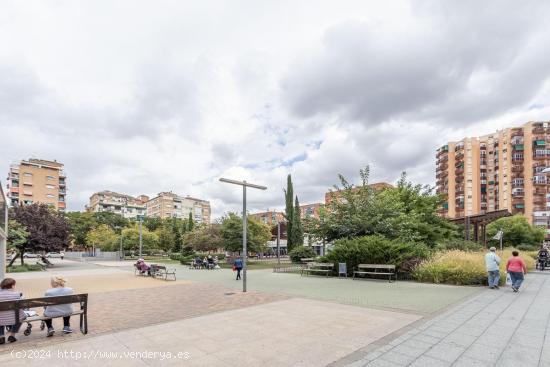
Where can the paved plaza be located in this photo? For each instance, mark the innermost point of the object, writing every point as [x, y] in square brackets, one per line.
[287, 320]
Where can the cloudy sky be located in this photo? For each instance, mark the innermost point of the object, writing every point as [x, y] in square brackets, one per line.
[146, 96]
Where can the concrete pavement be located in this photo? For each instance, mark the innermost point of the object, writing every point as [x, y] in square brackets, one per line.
[495, 328]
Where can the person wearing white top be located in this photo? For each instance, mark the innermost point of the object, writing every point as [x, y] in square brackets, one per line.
[492, 263]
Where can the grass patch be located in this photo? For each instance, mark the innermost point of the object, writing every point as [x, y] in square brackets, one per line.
[23, 268]
[462, 267]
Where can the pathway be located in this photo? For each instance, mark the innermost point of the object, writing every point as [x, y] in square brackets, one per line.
[495, 328]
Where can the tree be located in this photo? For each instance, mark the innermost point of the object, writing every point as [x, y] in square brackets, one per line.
[289, 211]
[113, 220]
[130, 238]
[152, 223]
[80, 224]
[204, 238]
[297, 234]
[48, 229]
[407, 212]
[165, 238]
[231, 232]
[103, 237]
[178, 241]
[517, 231]
[17, 238]
[190, 222]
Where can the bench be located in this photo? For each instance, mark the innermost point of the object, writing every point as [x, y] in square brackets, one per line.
[376, 269]
[160, 271]
[137, 271]
[24, 304]
[314, 268]
[307, 260]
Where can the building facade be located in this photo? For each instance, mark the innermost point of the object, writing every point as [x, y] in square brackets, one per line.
[269, 217]
[310, 210]
[125, 205]
[170, 205]
[37, 181]
[497, 171]
[3, 232]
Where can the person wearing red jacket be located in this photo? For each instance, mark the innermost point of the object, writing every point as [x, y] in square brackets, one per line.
[516, 268]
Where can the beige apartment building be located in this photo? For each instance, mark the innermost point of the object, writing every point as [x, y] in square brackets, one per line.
[170, 205]
[37, 181]
[497, 171]
[125, 205]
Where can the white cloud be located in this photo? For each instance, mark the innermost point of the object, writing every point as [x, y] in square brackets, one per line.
[139, 97]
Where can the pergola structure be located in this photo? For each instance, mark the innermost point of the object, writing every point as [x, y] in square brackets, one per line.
[479, 223]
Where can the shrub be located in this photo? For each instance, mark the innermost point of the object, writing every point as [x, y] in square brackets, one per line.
[462, 268]
[460, 244]
[23, 268]
[377, 250]
[301, 252]
[527, 247]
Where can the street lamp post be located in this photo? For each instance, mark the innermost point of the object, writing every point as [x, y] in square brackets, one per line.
[244, 184]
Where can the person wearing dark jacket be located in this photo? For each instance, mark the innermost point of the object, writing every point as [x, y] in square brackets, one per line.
[238, 266]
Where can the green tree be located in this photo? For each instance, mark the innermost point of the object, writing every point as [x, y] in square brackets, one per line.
[17, 238]
[407, 212]
[80, 224]
[113, 220]
[103, 237]
[517, 231]
[231, 232]
[178, 241]
[130, 238]
[204, 238]
[289, 211]
[165, 238]
[297, 234]
[152, 223]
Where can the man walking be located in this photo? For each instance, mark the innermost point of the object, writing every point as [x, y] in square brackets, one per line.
[492, 262]
[238, 266]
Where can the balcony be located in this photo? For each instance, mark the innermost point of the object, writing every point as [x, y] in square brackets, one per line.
[62, 191]
[518, 147]
[517, 168]
[517, 159]
[539, 142]
[538, 130]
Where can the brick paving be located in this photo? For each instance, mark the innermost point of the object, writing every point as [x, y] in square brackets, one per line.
[495, 328]
[132, 302]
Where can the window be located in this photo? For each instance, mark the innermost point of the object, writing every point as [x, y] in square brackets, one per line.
[51, 187]
[50, 178]
[27, 174]
[49, 196]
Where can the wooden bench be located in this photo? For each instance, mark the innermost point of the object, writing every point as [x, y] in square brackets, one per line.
[160, 271]
[24, 304]
[307, 260]
[314, 268]
[376, 269]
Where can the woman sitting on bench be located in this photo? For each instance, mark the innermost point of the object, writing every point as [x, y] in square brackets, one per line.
[59, 289]
[7, 318]
[143, 267]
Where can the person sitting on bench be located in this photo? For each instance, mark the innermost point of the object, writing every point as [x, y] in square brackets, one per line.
[7, 318]
[143, 267]
[58, 289]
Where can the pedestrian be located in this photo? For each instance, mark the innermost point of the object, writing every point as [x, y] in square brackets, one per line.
[516, 268]
[62, 254]
[58, 289]
[238, 264]
[492, 262]
[7, 318]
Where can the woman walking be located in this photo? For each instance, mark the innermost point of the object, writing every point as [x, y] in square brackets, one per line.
[238, 266]
[516, 268]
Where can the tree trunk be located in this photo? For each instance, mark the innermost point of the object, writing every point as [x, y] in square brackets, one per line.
[21, 255]
[12, 260]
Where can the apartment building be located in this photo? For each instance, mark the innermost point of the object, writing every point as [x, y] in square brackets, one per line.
[170, 205]
[497, 171]
[269, 217]
[125, 205]
[37, 181]
[310, 210]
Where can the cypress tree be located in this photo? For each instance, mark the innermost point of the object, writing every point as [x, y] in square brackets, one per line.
[190, 223]
[289, 212]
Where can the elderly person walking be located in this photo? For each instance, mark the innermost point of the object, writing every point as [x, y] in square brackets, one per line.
[516, 268]
[59, 289]
[7, 318]
[492, 262]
